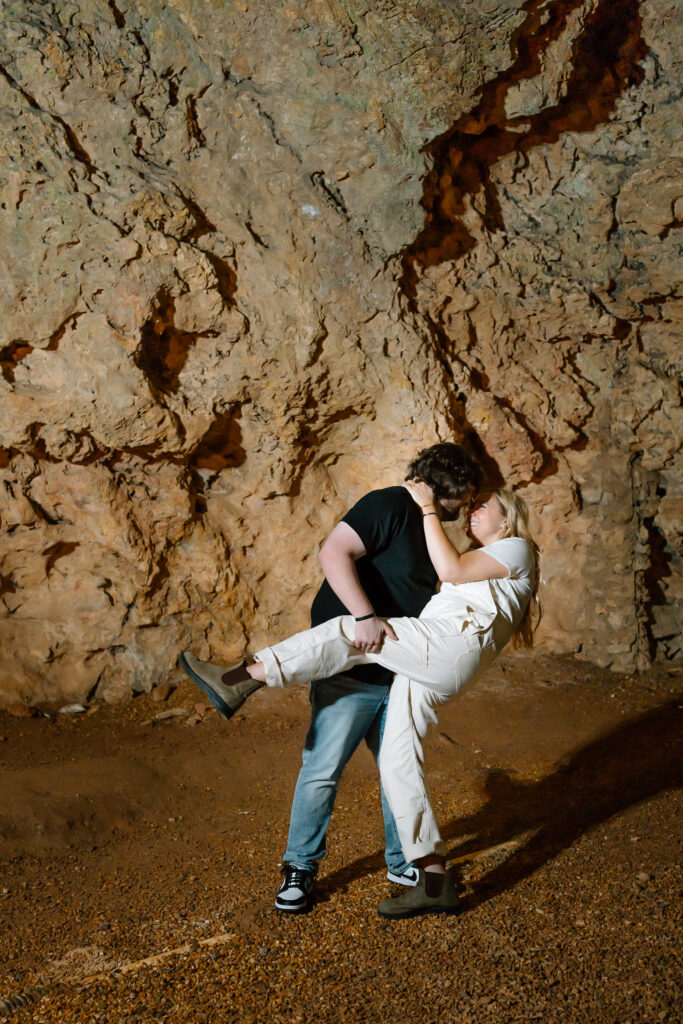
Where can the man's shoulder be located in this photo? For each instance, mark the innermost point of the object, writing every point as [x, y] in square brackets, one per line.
[396, 495]
[379, 516]
[393, 501]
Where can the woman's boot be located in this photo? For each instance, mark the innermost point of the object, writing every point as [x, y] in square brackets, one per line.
[434, 894]
[226, 688]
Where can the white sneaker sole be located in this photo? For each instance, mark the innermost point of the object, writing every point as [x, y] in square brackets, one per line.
[294, 908]
[408, 879]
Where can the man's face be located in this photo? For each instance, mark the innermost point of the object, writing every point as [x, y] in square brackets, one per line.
[451, 506]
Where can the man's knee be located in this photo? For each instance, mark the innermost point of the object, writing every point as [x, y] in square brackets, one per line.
[323, 762]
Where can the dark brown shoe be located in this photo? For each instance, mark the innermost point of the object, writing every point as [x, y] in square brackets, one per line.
[433, 894]
[226, 687]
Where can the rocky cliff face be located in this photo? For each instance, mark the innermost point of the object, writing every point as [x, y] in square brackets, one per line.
[256, 254]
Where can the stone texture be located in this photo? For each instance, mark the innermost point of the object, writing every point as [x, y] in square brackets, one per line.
[256, 254]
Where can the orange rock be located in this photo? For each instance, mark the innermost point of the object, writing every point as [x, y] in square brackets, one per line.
[19, 710]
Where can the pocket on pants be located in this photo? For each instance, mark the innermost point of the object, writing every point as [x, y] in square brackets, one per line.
[481, 652]
[449, 658]
[476, 652]
[466, 665]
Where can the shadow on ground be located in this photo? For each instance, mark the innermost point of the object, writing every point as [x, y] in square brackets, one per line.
[632, 763]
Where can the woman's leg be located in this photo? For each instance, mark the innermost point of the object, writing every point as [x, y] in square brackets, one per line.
[429, 651]
[319, 653]
[412, 710]
[435, 653]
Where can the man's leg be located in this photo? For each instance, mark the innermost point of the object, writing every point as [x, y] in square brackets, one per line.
[342, 712]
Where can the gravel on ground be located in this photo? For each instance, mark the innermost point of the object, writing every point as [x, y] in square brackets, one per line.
[139, 859]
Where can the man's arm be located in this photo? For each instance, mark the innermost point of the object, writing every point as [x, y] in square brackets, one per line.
[338, 557]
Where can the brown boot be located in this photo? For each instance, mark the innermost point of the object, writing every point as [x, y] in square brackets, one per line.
[434, 894]
[226, 688]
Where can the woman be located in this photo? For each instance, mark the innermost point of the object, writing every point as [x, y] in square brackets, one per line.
[487, 597]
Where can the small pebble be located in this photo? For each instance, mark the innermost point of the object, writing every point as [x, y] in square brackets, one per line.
[72, 709]
[162, 692]
[19, 710]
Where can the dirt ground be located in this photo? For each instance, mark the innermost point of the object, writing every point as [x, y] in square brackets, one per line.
[123, 838]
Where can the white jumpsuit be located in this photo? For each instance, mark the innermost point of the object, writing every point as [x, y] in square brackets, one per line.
[459, 633]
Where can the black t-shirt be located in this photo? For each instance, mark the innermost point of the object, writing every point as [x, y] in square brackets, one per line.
[396, 573]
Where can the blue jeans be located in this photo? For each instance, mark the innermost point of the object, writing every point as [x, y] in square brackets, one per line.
[344, 711]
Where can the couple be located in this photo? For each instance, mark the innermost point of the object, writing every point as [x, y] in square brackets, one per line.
[377, 618]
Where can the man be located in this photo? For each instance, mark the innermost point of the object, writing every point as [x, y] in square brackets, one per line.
[376, 565]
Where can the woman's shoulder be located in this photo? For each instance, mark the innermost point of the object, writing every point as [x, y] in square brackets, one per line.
[515, 553]
[513, 543]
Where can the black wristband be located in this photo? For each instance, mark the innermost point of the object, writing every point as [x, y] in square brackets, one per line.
[425, 514]
[362, 618]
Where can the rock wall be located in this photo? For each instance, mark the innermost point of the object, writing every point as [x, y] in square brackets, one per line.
[257, 253]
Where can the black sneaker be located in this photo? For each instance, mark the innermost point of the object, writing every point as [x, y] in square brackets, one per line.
[296, 892]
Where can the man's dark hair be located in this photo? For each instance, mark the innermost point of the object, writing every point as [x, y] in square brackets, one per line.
[448, 468]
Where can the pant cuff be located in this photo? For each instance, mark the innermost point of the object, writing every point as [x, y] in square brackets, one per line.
[274, 675]
[301, 862]
[413, 851]
[421, 847]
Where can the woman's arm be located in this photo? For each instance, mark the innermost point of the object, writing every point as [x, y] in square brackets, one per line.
[451, 566]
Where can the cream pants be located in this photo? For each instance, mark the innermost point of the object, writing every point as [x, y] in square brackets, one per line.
[433, 659]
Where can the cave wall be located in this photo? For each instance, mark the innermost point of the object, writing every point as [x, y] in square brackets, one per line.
[257, 253]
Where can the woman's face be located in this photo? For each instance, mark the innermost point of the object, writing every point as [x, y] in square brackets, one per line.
[486, 518]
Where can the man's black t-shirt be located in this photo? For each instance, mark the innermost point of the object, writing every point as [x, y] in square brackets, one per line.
[396, 573]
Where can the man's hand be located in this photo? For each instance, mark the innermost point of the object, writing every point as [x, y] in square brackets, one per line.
[370, 633]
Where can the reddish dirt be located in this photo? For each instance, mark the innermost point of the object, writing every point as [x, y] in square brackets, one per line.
[557, 784]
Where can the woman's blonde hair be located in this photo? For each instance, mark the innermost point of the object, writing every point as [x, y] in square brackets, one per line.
[516, 512]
